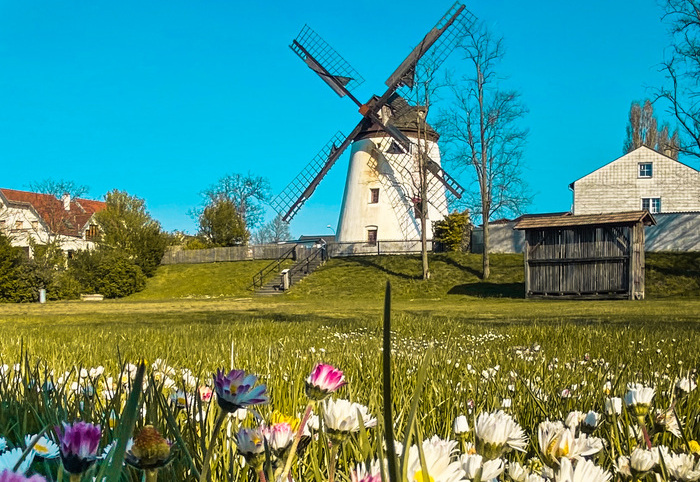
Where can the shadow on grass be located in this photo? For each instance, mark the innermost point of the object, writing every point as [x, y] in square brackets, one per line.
[490, 290]
[468, 269]
[366, 261]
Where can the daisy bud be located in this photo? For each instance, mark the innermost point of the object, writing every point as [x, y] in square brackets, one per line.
[613, 406]
[150, 449]
[323, 380]
[460, 425]
[78, 444]
[638, 398]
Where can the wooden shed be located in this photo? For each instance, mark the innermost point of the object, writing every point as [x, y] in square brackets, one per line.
[589, 256]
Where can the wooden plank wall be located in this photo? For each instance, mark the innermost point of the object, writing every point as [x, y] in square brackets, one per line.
[585, 261]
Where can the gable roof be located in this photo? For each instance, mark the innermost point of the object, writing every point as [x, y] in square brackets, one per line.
[569, 220]
[51, 210]
[571, 185]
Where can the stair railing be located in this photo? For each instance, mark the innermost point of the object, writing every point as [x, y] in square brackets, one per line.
[302, 268]
[259, 277]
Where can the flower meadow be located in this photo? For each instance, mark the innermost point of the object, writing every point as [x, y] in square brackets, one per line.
[419, 398]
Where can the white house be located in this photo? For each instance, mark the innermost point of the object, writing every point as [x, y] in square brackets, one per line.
[641, 179]
[32, 218]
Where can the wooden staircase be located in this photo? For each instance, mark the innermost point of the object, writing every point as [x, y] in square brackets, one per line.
[299, 270]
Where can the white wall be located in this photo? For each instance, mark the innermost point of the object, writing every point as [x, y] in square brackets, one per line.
[371, 167]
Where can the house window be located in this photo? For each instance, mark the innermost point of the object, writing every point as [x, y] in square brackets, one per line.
[651, 204]
[374, 195]
[372, 236]
[645, 169]
[35, 225]
[19, 224]
[92, 233]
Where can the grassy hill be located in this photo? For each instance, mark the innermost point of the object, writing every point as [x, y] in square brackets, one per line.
[210, 280]
[453, 275]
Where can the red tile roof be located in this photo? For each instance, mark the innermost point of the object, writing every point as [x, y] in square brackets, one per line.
[52, 212]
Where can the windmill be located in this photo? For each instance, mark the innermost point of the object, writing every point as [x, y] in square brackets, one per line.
[393, 148]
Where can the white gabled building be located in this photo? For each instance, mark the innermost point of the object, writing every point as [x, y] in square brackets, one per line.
[642, 179]
[32, 218]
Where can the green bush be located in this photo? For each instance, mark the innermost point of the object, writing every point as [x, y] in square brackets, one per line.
[107, 272]
[453, 233]
[15, 279]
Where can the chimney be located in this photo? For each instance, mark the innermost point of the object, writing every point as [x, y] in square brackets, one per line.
[66, 201]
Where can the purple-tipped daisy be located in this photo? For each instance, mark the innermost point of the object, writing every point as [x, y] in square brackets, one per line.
[78, 443]
[235, 390]
[9, 476]
[323, 380]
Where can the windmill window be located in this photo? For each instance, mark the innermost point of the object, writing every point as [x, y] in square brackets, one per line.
[19, 224]
[372, 236]
[35, 225]
[645, 169]
[651, 204]
[374, 195]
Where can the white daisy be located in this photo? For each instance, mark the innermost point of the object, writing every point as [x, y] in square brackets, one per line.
[496, 433]
[9, 459]
[585, 471]
[437, 454]
[44, 447]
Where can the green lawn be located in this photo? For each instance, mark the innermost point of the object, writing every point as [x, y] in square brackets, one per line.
[210, 280]
[454, 276]
[201, 317]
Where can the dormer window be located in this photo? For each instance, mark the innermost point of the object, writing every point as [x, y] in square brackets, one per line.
[645, 169]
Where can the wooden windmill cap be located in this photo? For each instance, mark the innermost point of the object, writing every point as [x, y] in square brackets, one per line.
[406, 117]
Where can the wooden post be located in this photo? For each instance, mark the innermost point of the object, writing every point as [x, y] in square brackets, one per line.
[631, 272]
[526, 249]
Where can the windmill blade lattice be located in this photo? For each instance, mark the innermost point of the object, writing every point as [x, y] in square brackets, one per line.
[325, 61]
[398, 192]
[428, 64]
[290, 200]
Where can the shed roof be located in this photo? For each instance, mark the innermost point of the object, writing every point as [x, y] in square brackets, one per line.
[569, 220]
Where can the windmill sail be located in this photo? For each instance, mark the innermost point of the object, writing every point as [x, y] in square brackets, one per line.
[431, 52]
[326, 62]
[292, 198]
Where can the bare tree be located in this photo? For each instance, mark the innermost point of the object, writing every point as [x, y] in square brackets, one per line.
[481, 128]
[54, 206]
[248, 193]
[642, 130]
[274, 231]
[682, 70]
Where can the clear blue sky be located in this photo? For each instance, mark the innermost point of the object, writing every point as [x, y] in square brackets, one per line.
[162, 98]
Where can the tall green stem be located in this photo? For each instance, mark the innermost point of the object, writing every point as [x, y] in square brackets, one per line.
[331, 461]
[151, 475]
[297, 438]
[204, 477]
[74, 478]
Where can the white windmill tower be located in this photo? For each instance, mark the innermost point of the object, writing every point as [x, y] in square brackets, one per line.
[384, 186]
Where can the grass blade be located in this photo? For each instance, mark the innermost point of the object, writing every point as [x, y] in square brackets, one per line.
[386, 381]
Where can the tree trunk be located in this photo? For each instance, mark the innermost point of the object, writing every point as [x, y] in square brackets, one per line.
[485, 256]
[424, 241]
